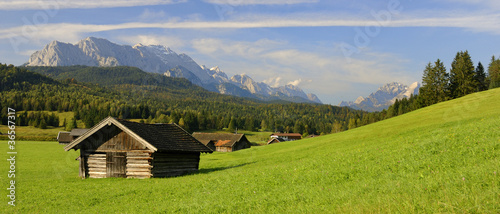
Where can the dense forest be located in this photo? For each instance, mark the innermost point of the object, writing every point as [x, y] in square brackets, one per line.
[94, 93]
[160, 99]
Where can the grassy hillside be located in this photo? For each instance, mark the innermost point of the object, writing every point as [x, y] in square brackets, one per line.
[444, 158]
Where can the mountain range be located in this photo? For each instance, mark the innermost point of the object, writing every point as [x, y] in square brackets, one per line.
[100, 52]
[383, 97]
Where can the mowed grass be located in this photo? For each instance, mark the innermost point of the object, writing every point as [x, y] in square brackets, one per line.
[441, 159]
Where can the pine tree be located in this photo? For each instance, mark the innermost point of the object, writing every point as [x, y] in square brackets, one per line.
[494, 73]
[352, 123]
[336, 127]
[183, 124]
[462, 80]
[71, 125]
[232, 125]
[480, 77]
[434, 84]
[43, 124]
[249, 124]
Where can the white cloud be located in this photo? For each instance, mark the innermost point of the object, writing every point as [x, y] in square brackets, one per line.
[277, 63]
[261, 2]
[27, 52]
[152, 15]
[273, 81]
[84, 4]
[240, 48]
[169, 41]
[487, 4]
[488, 23]
[295, 82]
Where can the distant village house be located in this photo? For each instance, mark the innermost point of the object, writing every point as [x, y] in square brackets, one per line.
[223, 142]
[275, 140]
[287, 136]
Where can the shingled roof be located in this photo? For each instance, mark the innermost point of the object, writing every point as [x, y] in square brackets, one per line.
[220, 139]
[286, 134]
[64, 137]
[158, 137]
[77, 132]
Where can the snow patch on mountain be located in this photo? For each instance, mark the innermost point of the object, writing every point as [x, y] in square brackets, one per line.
[384, 97]
[93, 51]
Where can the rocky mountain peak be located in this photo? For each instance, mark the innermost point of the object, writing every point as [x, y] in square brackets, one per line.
[93, 51]
[385, 96]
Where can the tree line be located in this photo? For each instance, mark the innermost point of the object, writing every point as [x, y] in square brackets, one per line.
[170, 102]
[438, 85]
[166, 100]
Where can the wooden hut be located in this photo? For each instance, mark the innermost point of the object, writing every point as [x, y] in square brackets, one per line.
[64, 138]
[120, 148]
[223, 142]
[75, 133]
[275, 140]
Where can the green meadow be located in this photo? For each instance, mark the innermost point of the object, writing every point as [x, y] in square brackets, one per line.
[440, 159]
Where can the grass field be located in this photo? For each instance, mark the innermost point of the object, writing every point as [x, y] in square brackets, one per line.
[30, 132]
[441, 159]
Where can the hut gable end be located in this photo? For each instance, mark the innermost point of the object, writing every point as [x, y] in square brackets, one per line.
[122, 142]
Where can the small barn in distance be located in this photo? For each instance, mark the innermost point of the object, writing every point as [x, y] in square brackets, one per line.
[75, 133]
[287, 136]
[275, 140]
[223, 142]
[64, 138]
[120, 148]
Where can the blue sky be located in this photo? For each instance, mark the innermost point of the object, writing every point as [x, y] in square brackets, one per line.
[338, 49]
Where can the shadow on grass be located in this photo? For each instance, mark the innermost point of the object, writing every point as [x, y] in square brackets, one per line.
[206, 171]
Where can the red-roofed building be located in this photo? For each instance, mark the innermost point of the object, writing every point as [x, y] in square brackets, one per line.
[223, 142]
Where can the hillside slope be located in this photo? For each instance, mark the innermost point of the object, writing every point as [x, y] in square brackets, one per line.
[443, 158]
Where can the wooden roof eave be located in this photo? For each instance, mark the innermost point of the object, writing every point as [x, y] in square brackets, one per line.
[105, 122]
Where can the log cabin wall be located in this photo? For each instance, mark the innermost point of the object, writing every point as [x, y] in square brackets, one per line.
[174, 164]
[96, 165]
[139, 165]
[110, 152]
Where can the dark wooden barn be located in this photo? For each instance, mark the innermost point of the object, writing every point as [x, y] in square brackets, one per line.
[64, 138]
[223, 142]
[120, 148]
[75, 133]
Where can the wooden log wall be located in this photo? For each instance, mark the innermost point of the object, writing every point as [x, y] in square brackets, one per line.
[172, 164]
[96, 165]
[139, 165]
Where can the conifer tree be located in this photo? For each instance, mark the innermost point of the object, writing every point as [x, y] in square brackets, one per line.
[434, 84]
[232, 125]
[462, 80]
[480, 77]
[494, 73]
